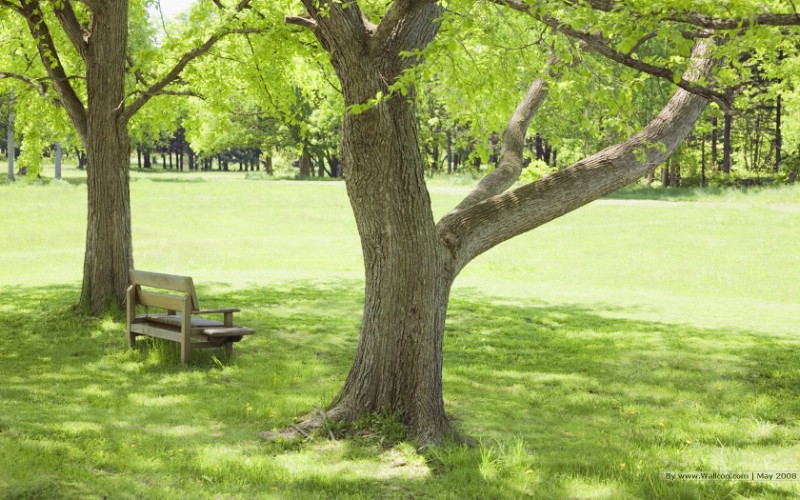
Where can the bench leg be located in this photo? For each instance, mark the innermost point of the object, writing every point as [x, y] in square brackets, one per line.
[131, 339]
[186, 352]
[228, 349]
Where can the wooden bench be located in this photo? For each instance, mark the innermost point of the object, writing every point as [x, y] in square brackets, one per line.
[180, 323]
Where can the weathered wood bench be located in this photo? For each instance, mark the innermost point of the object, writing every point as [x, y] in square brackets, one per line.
[176, 295]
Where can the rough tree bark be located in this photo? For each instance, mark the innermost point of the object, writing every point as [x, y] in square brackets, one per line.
[411, 261]
[398, 365]
[109, 250]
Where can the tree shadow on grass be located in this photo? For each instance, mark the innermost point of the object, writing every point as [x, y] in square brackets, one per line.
[567, 401]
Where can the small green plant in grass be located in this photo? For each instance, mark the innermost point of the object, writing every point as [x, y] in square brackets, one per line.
[382, 430]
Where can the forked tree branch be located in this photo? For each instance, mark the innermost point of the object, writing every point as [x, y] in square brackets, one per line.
[305, 21]
[173, 75]
[334, 23]
[472, 231]
[510, 165]
[394, 17]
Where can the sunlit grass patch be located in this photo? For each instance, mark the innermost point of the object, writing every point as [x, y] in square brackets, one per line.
[585, 359]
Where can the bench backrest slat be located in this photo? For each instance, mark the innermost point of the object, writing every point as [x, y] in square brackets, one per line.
[163, 281]
[162, 300]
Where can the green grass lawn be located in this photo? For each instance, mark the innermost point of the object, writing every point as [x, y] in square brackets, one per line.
[587, 358]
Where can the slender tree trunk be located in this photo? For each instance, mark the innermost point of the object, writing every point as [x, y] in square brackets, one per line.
[305, 165]
[81, 158]
[109, 255]
[756, 142]
[539, 146]
[57, 155]
[10, 143]
[778, 135]
[449, 152]
[714, 155]
[727, 146]
[703, 181]
[268, 165]
[675, 174]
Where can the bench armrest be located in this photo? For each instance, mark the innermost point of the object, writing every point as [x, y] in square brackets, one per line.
[228, 312]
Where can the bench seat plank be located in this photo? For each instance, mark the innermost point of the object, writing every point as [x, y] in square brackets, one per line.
[228, 331]
[175, 320]
[203, 326]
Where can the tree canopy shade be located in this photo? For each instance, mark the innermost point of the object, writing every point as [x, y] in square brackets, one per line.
[411, 260]
[83, 48]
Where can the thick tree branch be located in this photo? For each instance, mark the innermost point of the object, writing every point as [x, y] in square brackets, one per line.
[304, 21]
[719, 24]
[72, 27]
[32, 11]
[510, 165]
[394, 17]
[334, 23]
[470, 232]
[158, 87]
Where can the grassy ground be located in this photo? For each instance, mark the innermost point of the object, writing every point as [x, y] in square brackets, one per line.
[628, 339]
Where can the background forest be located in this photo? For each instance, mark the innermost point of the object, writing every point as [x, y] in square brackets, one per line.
[268, 102]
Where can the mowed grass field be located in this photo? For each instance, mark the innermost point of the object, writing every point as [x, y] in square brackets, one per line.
[588, 359]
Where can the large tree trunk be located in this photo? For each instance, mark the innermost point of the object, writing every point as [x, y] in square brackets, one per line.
[410, 261]
[109, 255]
[408, 271]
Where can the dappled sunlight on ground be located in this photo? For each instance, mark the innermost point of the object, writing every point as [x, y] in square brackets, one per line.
[567, 400]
